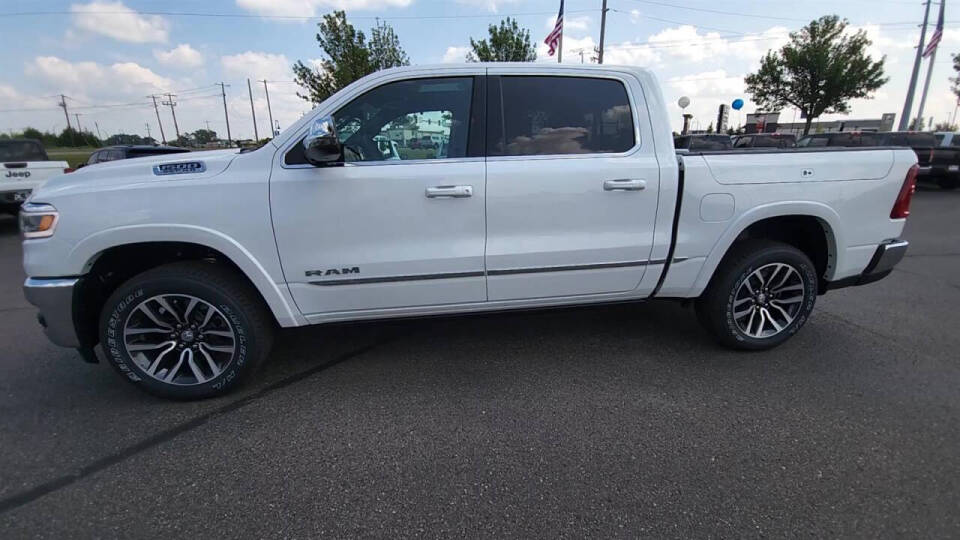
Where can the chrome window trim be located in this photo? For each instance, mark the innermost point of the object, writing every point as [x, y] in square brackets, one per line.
[376, 83]
[387, 163]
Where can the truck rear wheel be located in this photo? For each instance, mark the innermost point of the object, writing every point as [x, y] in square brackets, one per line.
[187, 330]
[760, 295]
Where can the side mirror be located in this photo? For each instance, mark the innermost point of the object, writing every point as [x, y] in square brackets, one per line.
[321, 146]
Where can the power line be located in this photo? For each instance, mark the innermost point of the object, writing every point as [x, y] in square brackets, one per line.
[286, 17]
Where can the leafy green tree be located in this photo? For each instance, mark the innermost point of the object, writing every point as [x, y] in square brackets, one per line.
[204, 136]
[348, 57]
[819, 71]
[945, 126]
[32, 133]
[385, 49]
[956, 80]
[507, 43]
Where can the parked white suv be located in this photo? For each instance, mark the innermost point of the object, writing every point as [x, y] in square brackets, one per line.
[559, 185]
[25, 166]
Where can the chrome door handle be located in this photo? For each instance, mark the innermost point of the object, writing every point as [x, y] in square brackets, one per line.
[625, 184]
[455, 192]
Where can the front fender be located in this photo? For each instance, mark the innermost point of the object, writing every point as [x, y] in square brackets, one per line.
[84, 253]
[828, 218]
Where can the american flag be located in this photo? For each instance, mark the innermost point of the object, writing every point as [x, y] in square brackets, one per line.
[554, 37]
[937, 34]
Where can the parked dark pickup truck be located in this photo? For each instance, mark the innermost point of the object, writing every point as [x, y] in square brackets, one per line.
[939, 164]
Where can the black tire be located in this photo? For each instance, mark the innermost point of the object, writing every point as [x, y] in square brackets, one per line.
[238, 308]
[715, 307]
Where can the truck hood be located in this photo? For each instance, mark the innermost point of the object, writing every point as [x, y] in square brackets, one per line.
[127, 172]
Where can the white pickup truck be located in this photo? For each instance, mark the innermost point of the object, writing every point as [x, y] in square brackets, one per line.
[547, 186]
[25, 167]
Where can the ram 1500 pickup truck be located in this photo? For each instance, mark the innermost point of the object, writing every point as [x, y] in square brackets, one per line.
[25, 166]
[548, 186]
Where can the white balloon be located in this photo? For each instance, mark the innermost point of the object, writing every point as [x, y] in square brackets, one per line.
[683, 102]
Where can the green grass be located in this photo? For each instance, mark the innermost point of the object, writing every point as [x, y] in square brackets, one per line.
[73, 156]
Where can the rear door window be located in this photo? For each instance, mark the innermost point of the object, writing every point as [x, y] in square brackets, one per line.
[546, 115]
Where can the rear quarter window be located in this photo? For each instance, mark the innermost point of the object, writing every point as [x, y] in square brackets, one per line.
[548, 115]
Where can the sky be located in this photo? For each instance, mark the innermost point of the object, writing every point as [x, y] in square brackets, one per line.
[108, 56]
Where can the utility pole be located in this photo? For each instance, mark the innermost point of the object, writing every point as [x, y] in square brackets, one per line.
[147, 124]
[207, 122]
[930, 62]
[159, 123]
[603, 30]
[96, 125]
[63, 104]
[269, 110]
[173, 104]
[77, 116]
[253, 113]
[908, 104]
[223, 92]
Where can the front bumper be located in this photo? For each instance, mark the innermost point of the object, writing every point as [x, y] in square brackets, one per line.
[54, 298]
[888, 255]
[14, 197]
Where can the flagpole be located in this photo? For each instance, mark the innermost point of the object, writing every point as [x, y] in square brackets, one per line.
[908, 104]
[932, 60]
[560, 49]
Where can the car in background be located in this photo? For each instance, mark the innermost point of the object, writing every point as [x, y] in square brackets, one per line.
[25, 167]
[702, 142]
[939, 163]
[765, 140]
[127, 151]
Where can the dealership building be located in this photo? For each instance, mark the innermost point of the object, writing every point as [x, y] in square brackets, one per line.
[770, 123]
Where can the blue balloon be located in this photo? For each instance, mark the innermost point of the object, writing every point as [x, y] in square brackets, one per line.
[737, 104]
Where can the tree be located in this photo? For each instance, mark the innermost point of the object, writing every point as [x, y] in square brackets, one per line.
[945, 126]
[507, 43]
[348, 57]
[204, 136]
[819, 71]
[710, 128]
[956, 80]
[385, 49]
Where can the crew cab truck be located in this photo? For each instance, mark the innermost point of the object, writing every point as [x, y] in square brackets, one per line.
[25, 166]
[560, 186]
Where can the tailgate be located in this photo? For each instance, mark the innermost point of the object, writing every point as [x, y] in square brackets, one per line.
[28, 174]
[800, 166]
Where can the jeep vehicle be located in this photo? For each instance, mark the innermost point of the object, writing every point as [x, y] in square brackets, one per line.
[25, 166]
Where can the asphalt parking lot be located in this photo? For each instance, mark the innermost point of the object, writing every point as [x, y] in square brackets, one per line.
[619, 421]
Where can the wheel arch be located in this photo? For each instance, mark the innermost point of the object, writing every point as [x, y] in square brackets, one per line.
[811, 227]
[128, 251]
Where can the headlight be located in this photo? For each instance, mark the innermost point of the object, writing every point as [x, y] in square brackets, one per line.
[38, 220]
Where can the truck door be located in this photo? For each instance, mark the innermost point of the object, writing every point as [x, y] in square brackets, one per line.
[400, 223]
[572, 184]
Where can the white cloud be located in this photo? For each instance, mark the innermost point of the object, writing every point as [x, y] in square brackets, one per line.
[87, 77]
[455, 54]
[117, 21]
[686, 43]
[631, 54]
[310, 8]
[258, 65]
[492, 5]
[708, 83]
[569, 23]
[182, 56]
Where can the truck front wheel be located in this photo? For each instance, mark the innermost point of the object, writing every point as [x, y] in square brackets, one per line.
[760, 295]
[186, 330]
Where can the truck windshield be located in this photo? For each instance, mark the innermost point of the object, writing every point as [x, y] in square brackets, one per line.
[21, 151]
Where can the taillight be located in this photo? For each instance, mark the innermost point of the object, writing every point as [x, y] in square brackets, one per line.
[901, 208]
[68, 170]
